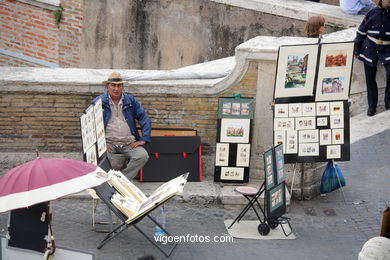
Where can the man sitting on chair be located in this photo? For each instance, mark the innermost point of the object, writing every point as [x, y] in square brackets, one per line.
[121, 111]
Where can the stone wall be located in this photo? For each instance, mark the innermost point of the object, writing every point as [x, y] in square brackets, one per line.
[31, 37]
[163, 34]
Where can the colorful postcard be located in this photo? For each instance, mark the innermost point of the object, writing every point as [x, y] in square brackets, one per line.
[325, 137]
[269, 169]
[333, 152]
[338, 136]
[323, 109]
[337, 108]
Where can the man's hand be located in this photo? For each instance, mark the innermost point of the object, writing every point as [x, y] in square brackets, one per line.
[109, 149]
[136, 144]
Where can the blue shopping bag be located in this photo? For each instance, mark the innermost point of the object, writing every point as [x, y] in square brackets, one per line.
[329, 180]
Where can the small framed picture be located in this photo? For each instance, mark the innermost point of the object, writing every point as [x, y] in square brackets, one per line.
[308, 149]
[279, 158]
[334, 71]
[336, 108]
[227, 108]
[325, 137]
[279, 137]
[294, 109]
[338, 136]
[245, 109]
[243, 155]
[235, 130]
[333, 152]
[102, 146]
[232, 173]
[281, 110]
[91, 155]
[269, 169]
[236, 109]
[291, 145]
[322, 121]
[337, 121]
[283, 124]
[323, 109]
[308, 136]
[222, 154]
[308, 109]
[303, 123]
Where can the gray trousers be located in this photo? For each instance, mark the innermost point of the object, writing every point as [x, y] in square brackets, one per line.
[136, 158]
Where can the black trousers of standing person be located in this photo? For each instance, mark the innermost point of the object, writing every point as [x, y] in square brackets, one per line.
[372, 87]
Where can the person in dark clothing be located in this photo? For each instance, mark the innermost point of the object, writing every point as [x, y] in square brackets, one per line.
[372, 45]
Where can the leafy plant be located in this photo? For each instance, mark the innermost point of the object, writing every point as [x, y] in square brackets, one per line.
[58, 15]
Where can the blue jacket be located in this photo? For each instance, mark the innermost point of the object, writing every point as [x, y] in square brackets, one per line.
[132, 111]
[376, 24]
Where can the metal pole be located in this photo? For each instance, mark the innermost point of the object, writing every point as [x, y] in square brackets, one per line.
[338, 178]
[293, 178]
[302, 179]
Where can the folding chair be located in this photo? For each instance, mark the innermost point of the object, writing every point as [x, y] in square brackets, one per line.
[105, 192]
[252, 195]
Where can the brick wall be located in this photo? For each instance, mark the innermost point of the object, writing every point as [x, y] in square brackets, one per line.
[31, 31]
[50, 122]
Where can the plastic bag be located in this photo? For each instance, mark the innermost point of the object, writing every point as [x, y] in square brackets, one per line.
[329, 180]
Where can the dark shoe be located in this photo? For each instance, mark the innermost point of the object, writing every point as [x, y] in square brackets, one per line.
[387, 106]
[371, 112]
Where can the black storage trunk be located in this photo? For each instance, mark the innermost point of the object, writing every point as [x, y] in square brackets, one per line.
[171, 156]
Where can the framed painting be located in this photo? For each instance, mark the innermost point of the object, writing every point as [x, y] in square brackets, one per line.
[296, 70]
[302, 123]
[338, 136]
[283, 124]
[243, 155]
[222, 154]
[232, 173]
[234, 130]
[334, 71]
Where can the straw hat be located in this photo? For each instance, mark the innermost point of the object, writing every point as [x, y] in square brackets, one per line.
[114, 78]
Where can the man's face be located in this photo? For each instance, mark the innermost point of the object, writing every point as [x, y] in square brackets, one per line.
[385, 3]
[115, 90]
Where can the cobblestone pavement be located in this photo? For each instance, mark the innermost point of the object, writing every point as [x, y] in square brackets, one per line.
[325, 227]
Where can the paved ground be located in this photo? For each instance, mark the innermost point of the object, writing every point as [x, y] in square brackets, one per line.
[326, 227]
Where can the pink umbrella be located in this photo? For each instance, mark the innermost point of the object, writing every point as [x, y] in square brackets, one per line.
[45, 179]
